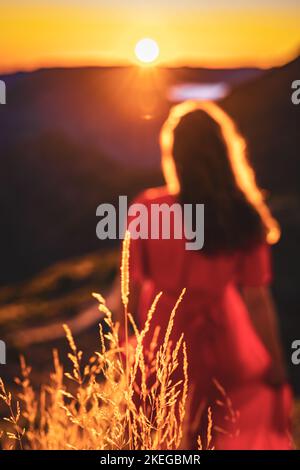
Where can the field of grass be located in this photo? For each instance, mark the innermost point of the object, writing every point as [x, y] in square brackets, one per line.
[119, 397]
[99, 404]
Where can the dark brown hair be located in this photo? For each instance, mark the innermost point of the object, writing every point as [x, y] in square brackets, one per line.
[206, 177]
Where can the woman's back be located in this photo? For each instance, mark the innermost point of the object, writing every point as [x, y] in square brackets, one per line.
[171, 266]
[221, 342]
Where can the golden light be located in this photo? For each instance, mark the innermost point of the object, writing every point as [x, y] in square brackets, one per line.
[237, 152]
[146, 50]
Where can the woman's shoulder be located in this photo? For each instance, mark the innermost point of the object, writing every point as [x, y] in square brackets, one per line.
[159, 195]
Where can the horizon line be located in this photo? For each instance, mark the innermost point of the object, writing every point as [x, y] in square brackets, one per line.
[243, 64]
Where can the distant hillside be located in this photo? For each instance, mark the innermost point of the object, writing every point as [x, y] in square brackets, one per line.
[266, 115]
[50, 188]
[103, 107]
[71, 139]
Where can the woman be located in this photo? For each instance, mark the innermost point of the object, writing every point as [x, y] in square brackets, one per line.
[227, 314]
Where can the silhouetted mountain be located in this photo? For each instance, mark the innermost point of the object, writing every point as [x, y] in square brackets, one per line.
[71, 139]
[102, 106]
[266, 115]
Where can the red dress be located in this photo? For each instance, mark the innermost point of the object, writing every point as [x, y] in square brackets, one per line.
[221, 341]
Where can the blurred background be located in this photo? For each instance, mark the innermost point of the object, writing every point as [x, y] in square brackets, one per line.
[85, 102]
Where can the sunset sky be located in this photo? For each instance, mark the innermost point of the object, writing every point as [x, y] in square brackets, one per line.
[191, 32]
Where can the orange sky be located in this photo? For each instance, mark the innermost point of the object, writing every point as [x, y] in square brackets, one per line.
[44, 33]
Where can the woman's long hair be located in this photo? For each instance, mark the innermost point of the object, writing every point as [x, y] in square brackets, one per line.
[204, 161]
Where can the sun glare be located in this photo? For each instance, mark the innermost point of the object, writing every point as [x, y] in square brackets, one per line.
[146, 50]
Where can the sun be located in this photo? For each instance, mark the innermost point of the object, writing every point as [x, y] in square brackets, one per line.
[146, 50]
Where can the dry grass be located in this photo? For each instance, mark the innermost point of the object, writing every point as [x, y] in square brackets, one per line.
[120, 398]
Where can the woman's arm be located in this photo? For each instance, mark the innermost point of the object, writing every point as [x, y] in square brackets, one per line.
[262, 312]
